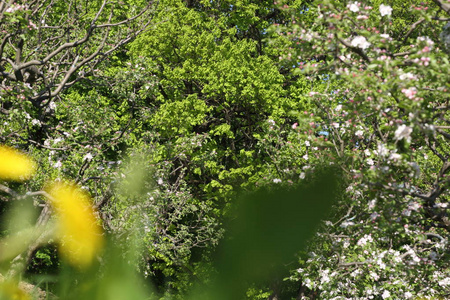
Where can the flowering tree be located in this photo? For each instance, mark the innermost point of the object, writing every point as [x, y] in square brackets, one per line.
[47, 47]
[384, 120]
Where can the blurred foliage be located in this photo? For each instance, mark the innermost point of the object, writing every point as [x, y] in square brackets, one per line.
[278, 221]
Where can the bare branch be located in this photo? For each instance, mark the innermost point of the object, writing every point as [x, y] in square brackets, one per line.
[413, 27]
[444, 6]
[9, 191]
[49, 60]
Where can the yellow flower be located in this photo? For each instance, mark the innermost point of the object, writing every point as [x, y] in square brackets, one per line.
[11, 291]
[79, 234]
[15, 165]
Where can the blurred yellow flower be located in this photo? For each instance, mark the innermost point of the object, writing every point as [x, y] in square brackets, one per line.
[11, 291]
[15, 165]
[79, 234]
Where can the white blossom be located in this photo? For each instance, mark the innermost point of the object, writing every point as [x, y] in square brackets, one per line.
[374, 275]
[382, 150]
[309, 283]
[367, 238]
[386, 294]
[359, 133]
[397, 257]
[354, 7]
[444, 282]
[345, 224]
[403, 132]
[408, 75]
[385, 10]
[360, 42]
[395, 157]
[307, 36]
[406, 213]
[355, 273]
[88, 157]
[429, 127]
[13, 8]
[441, 205]
[325, 278]
[36, 122]
[414, 206]
[425, 39]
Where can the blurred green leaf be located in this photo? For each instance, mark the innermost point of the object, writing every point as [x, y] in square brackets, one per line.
[271, 225]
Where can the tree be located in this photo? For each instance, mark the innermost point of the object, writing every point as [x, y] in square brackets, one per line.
[386, 126]
[46, 48]
[215, 89]
[49, 46]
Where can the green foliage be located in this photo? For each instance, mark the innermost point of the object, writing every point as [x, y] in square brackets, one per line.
[44, 261]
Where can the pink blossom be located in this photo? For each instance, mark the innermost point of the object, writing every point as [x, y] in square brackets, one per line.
[410, 93]
[425, 61]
